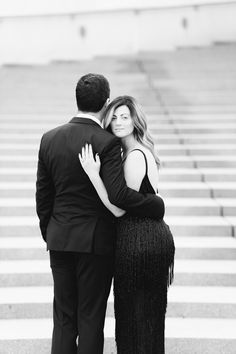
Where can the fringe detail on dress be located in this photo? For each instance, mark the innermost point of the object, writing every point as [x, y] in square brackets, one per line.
[144, 269]
[171, 274]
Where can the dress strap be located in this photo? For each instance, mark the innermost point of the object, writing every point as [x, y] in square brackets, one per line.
[145, 158]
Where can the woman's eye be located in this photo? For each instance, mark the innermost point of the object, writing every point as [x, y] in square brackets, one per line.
[113, 118]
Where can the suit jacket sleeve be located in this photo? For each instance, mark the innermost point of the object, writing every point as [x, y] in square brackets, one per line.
[119, 194]
[45, 193]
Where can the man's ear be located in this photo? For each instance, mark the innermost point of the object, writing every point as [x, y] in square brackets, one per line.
[107, 102]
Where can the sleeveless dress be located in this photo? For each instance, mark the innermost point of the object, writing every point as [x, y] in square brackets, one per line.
[144, 264]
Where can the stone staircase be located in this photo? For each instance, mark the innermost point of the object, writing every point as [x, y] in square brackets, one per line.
[190, 100]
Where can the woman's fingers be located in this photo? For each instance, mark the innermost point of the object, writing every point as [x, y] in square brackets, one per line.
[80, 159]
[86, 154]
[83, 152]
[86, 150]
[97, 158]
[89, 163]
[90, 149]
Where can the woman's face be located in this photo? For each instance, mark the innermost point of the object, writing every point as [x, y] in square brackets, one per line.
[122, 123]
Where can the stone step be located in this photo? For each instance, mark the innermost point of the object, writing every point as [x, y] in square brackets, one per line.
[213, 138]
[158, 122]
[180, 225]
[194, 279]
[16, 138]
[27, 248]
[199, 99]
[18, 174]
[197, 174]
[182, 335]
[201, 225]
[208, 150]
[170, 129]
[201, 206]
[162, 149]
[35, 138]
[175, 328]
[35, 118]
[183, 301]
[198, 189]
[206, 207]
[181, 253]
[218, 174]
[187, 272]
[152, 118]
[156, 125]
[227, 206]
[27, 190]
[174, 206]
[211, 94]
[202, 139]
[221, 189]
[208, 248]
[172, 345]
[184, 310]
[189, 206]
[167, 189]
[190, 247]
[172, 109]
[192, 128]
[33, 129]
[199, 161]
[166, 174]
[196, 149]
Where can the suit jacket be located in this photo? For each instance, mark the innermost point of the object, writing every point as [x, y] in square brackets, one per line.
[72, 216]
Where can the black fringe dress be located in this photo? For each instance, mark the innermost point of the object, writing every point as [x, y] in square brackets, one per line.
[144, 265]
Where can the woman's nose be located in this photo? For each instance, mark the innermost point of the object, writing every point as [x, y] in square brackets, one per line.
[118, 121]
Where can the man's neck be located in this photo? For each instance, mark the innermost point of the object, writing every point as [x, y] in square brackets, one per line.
[94, 114]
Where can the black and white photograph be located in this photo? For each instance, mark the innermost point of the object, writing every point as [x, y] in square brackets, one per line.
[117, 177]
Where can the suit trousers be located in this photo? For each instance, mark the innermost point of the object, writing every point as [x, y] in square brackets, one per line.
[82, 283]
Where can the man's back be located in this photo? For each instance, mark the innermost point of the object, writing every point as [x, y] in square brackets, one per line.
[79, 221]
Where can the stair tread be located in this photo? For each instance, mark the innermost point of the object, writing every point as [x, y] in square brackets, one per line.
[185, 294]
[181, 266]
[162, 184]
[177, 220]
[175, 328]
[29, 242]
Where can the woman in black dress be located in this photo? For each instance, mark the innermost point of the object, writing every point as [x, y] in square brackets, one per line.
[145, 247]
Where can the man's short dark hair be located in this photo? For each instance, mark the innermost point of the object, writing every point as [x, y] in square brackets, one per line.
[92, 91]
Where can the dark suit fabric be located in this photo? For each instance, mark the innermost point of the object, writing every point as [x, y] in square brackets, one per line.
[80, 306]
[80, 232]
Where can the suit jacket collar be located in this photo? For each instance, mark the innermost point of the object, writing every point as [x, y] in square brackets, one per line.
[86, 119]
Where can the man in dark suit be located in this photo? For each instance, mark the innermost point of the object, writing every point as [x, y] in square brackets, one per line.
[78, 229]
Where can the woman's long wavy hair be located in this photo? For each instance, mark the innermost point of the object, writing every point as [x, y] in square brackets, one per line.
[140, 132]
